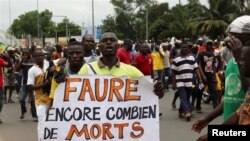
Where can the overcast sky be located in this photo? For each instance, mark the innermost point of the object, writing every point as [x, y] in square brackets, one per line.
[78, 11]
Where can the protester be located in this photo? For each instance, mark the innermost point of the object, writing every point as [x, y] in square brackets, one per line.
[9, 78]
[73, 65]
[88, 48]
[109, 64]
[124, 54]
[206, 61]
[24, 65]
[36, 82]
[158, 66]
[183, 69]
[143, 61]
[3, 63]
[167, 73]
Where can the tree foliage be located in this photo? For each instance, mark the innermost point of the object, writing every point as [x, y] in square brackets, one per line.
[189, 20]
[27, 24]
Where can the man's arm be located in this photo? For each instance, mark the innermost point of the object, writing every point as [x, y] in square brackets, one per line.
[37, 86]
[232, 120]
[31, 82]
[202, 73]
[162, 54]
[203, 122]
[173, 80]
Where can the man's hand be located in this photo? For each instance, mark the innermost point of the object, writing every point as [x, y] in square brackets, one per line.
[199, 125]
[47, 82]
[174, 86]
[203, 138]
[158, 89]
[234, 43]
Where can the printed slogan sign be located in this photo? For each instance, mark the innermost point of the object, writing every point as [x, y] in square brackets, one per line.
[103, 108]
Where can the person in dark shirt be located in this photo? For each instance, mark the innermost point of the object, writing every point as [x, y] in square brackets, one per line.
[206, 60]
[25, 64]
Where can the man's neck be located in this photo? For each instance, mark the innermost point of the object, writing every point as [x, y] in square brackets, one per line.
[40, 65]
[144, 54]
[109, 61]
[75, 68]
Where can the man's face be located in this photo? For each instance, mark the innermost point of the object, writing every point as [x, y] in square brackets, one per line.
[184, 50]
[39, 56]
[89, 44]
[244, 61]
[75, 54]
[144, 49]
[25, 55]
[108, 44]
[209, 46]
[128, 45]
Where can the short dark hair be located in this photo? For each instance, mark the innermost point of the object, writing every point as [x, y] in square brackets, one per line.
[83, 38]
[75, 43]
[35, 50]
[58, 47]
[72, 40]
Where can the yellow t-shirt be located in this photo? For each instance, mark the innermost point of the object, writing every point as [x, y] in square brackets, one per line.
[120, 69]
[54, 84]
[157, 61]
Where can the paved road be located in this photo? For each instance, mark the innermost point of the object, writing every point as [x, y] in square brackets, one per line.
[171, 127]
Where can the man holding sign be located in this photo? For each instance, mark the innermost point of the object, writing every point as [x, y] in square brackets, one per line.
[109, 64]
[105, 106]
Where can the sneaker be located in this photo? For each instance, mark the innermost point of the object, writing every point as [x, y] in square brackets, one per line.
[35, 119]
[23, 114]
[188, 116]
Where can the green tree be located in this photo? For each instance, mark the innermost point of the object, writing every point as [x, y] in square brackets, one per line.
[27, 24]
[73, 29]
[126, 22]
[109, 24]
[216, 18]
[158, 20]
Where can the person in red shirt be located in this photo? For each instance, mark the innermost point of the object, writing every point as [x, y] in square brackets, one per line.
[143, 61]
[200, 43]
[124, 54]
[2, 64]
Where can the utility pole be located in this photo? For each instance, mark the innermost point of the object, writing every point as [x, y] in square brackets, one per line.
[146, 25]
[38, 24]
[10, 24]
[67, 29]
[93, 19]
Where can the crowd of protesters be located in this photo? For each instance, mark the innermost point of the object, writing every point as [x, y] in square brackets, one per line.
[189, 67]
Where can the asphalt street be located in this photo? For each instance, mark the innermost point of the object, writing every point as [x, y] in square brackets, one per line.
[172, 128]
